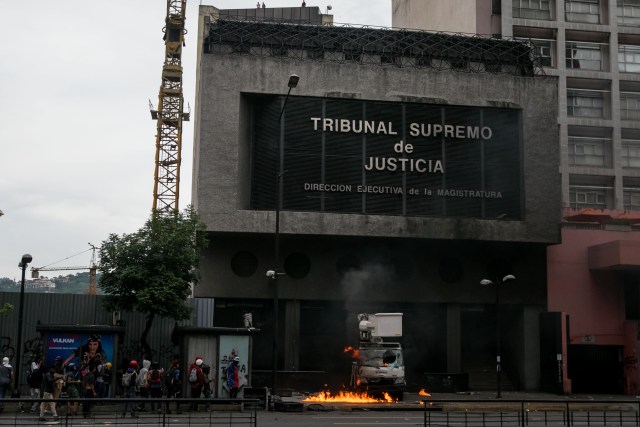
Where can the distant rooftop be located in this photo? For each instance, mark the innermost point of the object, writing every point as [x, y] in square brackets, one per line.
[309, 15]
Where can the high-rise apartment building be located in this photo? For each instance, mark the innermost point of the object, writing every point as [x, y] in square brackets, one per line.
[593, 46]
[593, 276]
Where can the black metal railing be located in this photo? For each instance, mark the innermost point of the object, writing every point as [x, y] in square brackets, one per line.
[218, 412]
[481, 413]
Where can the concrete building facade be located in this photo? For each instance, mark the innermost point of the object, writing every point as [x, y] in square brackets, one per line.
[403, 187]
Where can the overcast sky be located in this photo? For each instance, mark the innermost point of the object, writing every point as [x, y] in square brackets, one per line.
[76, 137]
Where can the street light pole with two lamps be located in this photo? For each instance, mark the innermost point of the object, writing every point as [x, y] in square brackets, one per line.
[275, 273]
[497, 284]
[26, 259]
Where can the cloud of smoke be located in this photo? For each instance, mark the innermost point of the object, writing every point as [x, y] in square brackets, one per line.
[362, 287]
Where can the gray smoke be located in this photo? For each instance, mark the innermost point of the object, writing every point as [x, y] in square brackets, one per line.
[363, 293]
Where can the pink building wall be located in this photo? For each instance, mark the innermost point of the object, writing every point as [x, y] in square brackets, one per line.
[594, 300]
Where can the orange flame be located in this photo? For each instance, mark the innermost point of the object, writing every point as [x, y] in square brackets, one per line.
[424, 393]
[355, 353]
[348, 397]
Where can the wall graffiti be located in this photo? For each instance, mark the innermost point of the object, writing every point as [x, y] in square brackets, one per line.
[163, 354]
[6, 348]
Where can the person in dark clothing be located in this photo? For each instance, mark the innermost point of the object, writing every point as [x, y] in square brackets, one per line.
[173, 382]
[49, 385]
[206, 371]
[35, 378]
[89, 387]
[5, 383]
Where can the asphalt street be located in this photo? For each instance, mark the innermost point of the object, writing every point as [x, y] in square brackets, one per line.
[462, 410]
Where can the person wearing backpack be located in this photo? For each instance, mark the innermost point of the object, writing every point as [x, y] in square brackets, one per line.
[154, 379]
[196, 379]
[173, 383]
[129, 385]
[143, 385]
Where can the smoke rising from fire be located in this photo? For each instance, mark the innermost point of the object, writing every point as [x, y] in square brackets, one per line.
[362, 288]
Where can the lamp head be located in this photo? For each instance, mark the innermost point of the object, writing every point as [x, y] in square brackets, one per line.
[293, 80]
[486, 282]
[26, 259]
[508, 278]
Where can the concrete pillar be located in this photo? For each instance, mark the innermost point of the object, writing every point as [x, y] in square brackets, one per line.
[454, 339]
[292, 335]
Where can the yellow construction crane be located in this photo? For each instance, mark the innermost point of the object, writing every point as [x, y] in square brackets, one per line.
[170, 114]
[93, 269]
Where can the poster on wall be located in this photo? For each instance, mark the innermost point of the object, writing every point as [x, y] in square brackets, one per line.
[83, 349]
[232, 346]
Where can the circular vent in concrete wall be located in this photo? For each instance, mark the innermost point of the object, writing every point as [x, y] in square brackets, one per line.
[297, 265]
[244, 264]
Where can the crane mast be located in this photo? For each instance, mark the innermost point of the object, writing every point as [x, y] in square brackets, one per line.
[170, 115]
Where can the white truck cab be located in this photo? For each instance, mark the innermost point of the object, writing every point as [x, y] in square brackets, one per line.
[379, 367]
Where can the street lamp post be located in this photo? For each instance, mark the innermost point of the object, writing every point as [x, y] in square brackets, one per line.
[497, 284]
[275, 273]
[26, 259]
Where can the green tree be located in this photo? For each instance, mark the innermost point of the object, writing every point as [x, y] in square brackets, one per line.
[6, 308]
[151, 271]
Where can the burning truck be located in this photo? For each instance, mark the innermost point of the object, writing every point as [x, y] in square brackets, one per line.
[378, 364]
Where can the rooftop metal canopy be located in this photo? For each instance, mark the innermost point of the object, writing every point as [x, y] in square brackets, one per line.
[372, 46]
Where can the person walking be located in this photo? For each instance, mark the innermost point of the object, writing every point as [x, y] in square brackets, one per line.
[196, 379]
[89, 390]
[129, 382]
[6, 379]
[72, 378]
[48, 385]
[35, 378]
[233, 381]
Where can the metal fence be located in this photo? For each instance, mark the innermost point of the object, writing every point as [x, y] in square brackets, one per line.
[177, 412]
[481, 413]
